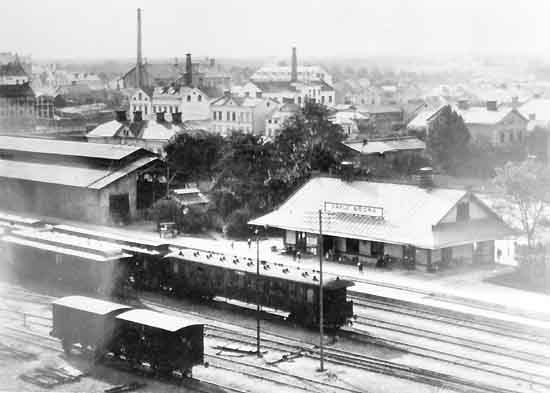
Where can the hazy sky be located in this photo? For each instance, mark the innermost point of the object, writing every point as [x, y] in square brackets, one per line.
[244, 28]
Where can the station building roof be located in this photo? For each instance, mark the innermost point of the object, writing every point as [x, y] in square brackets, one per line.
[390, 213]
[157, 320]
[91, 305]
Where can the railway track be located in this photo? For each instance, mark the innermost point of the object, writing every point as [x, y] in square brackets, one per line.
[458, 319]
[370, 322]
[367, 363]
[363, 362]
[274, 376]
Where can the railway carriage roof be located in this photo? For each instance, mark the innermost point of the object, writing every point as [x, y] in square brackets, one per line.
[91, 305]
[157, 320]
[248, 265]
[67, 244]
[143, 246]
[62, 249]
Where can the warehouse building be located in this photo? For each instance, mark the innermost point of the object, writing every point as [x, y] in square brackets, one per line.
[93, 182]
[365, 221]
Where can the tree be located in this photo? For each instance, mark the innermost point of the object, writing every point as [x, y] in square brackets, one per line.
[243, 171]
[194, 156]
[448, 140]
[526, 187]
[307, 142]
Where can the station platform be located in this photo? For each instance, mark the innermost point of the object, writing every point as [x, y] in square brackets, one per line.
[465, 291]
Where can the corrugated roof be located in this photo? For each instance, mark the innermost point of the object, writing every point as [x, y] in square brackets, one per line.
[157, 320]
[91, 305]
[384, 146]
[67, 175]
[67, 148]
[409, 211]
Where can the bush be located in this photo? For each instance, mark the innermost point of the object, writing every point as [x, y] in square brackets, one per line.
[237, 223]
[165, 210]
[224, 202]
[194, 220]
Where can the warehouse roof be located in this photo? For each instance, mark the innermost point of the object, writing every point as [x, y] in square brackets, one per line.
[395, 213]
[157, 320]
[68, 148]
[67, 175]
[88, 304]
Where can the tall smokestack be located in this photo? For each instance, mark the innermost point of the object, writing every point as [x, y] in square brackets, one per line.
[294, 67]
[139, 61]
[188, 70]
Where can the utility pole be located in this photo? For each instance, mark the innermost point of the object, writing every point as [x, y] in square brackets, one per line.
[257, 293]
[321, 319]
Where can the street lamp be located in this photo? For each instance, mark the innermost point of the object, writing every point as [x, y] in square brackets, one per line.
[256, 232]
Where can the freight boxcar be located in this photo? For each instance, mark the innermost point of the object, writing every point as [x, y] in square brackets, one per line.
[142, 339]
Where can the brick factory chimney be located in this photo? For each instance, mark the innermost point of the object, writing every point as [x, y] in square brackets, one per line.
[139, 61]
[294, 66]
[188, 70]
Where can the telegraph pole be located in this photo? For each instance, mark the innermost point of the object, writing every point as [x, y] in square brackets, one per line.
[258, 353]
[321, 320]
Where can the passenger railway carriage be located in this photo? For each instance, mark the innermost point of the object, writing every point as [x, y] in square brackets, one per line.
[62, 260]
[189, 272]
[142, 339]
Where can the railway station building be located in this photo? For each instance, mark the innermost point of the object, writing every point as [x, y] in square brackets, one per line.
[92, 182]
[366, 221]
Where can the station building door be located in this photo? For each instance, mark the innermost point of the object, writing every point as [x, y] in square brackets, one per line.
[119, 207]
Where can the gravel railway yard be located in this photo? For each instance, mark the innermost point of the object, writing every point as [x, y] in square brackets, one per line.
[391, 347]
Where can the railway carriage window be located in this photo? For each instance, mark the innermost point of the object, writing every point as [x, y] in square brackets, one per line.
[175, 267]
[240, 280]
[300, 292]
[309, 295]
[58, 259]
[291, 290]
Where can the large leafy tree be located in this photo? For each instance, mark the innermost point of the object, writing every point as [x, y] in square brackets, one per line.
[448, 140]
[526, 188]
[194, 156]
[243, 171]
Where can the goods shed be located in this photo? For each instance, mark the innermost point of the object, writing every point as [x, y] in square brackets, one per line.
[76, 180]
